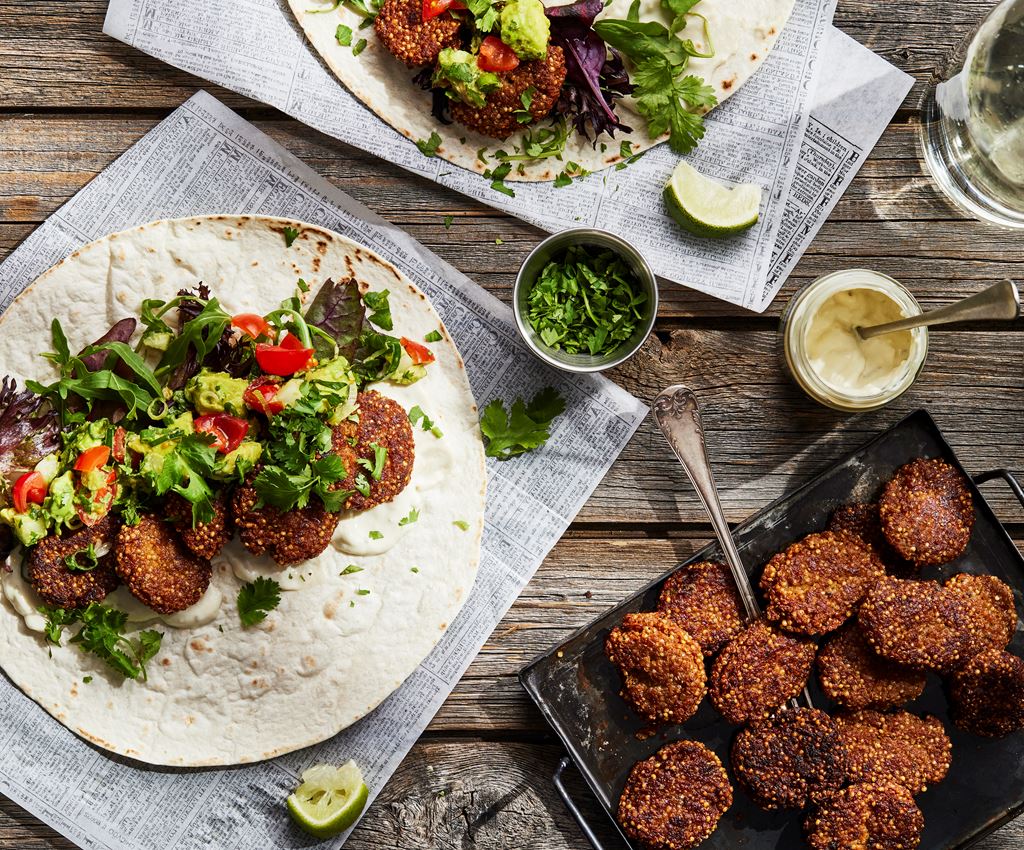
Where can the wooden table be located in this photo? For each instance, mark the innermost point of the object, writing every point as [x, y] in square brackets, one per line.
[72, 99]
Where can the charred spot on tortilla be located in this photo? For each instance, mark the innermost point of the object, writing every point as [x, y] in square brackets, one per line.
[289, 537]
[60, 586]
[158, 568]
[383, 424]
[401, 29]
[204, 539]
[498, 118]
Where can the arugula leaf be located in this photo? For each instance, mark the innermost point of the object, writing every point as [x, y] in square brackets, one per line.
[83, 561]
[102, 634]
[256, 599]
[525, 429]
[290, 235]
[198, 337]
[428, 147]
[337, 311]
[381, 310]
[343, 35]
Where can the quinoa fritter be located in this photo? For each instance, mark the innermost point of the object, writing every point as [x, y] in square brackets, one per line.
[815, 585]
[385, 423]
[674, 799]
[993, 614]
[497, 118]
[289, 537]
[702, 598]
[60, 587]
[207, 538]
[987, 694]
[861, 520]
[866, 816]
[158, 568]
[758, 671]
[900, 747]
[662, 667]
[789, 759]
[854, 676]
[926, 512]
[401, 29]
[924, 625]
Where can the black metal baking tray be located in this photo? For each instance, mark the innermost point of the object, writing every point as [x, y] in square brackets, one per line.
[576, 688]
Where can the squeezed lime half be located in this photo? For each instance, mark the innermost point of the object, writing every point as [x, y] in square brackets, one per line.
[329, 800]
[706, 207]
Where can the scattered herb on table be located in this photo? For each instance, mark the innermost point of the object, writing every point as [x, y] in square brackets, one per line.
[428, 147]
[522, 430]
[584, 302]
[256, 599]
[448, 219]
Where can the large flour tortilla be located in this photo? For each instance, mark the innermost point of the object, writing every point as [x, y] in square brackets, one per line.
[221, 694]
[742, 32]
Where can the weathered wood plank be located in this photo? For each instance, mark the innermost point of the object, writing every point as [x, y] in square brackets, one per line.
[891, 219]
[54, 59]
[456, 793]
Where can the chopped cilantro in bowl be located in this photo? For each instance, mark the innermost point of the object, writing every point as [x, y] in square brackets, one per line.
[585, 300]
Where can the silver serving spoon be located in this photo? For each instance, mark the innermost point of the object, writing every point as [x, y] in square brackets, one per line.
[678, 416]
[999, 301]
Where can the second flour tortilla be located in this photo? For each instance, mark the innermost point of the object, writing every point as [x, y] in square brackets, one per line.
[743, 33]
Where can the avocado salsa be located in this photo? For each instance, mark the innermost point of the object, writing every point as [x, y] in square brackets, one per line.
[171, 433]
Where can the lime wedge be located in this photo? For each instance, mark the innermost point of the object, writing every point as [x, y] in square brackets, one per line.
[707, 208]
[329, 800]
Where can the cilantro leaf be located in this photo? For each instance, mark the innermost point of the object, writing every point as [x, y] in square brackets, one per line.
[283, 490]
[526, 428]
[359, 47]
[343, 35]
[256, 599]
[433, 336]
[290, 234]
[462, 524]
[350, 569]
[410, 518]
[102, 634]
[428, 147]
[56, 620]
[376, 535]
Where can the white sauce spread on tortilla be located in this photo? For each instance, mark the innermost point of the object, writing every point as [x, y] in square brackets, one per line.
[23, 598]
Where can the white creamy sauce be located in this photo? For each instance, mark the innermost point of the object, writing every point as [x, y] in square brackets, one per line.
[23, 598]
[26, 602]
[844, 361]
[377, 530]
[248, 567]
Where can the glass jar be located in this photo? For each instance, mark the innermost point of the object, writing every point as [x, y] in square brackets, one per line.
[796, 324]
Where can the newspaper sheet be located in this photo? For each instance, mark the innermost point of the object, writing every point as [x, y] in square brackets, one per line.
[838, 138]
[205, 159]
[255, 47]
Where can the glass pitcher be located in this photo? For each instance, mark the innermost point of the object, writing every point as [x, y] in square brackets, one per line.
[972, 122]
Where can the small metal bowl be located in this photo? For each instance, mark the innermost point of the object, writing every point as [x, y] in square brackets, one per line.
[531, 269]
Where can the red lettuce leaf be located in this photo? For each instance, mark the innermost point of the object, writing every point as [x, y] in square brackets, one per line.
[338, 311]
[28, 432]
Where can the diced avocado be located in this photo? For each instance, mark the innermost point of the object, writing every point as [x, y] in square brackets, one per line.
[95, 479]
[458, 73]
[60, 501]
[184, 422]
[406, 372]
[29, 528]
[240, 461]
[48, 467]
[89, 435]
[525, 28]
[157, 340]
[216, 392]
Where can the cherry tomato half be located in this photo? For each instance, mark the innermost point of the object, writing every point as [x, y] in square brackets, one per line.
[227, 431]
[419, 354]
[433, 8]
[117, 450]
[260, 396]
[286, 358]
[495, 55]
[29, 489]
[252, 324]
[92, 459]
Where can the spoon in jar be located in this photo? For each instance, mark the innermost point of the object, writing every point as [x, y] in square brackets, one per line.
[999, 301]
[678, 416]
